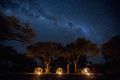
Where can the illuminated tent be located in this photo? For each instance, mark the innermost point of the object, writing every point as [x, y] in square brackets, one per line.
[59, 71]
[38, 70]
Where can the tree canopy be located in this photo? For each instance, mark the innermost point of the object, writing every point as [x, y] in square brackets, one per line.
[11, 28]
[111, 49]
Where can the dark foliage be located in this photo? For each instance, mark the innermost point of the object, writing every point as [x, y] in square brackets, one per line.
[12, 29]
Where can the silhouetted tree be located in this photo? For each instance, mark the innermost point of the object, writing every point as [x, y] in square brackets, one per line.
[66, 55]
[12, 29]
[47, 51]
[7, 56]
[111, 49]
[81, 47]
[12, 61]
[7, 52]
[111, 52]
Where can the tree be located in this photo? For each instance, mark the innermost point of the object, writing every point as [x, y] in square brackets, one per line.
[111, 52]
[6, 57]
[12, 29]
[6, 52]
[81, 47]
[111, 49]
[47, 51]
[66, 56]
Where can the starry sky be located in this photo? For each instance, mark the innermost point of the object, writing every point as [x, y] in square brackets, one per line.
[65, 20]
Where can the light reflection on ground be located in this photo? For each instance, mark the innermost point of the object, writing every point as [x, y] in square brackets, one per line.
[31, 76]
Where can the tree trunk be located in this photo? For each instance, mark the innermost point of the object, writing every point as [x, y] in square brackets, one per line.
[68, 68]
[47, 68]
[47, 63]
[75, 67]
[75, 64]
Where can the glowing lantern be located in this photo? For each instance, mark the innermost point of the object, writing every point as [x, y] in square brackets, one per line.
[59, 71]
[38, 70]
[86, 71]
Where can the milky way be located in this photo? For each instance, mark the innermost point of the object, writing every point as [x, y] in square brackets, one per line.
[65, 20]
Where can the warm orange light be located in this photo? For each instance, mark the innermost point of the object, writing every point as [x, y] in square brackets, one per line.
[38, 71]
[86, 71]
[59, 71]
[88, 74]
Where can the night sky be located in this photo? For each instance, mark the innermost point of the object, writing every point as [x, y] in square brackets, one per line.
[65, 20]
